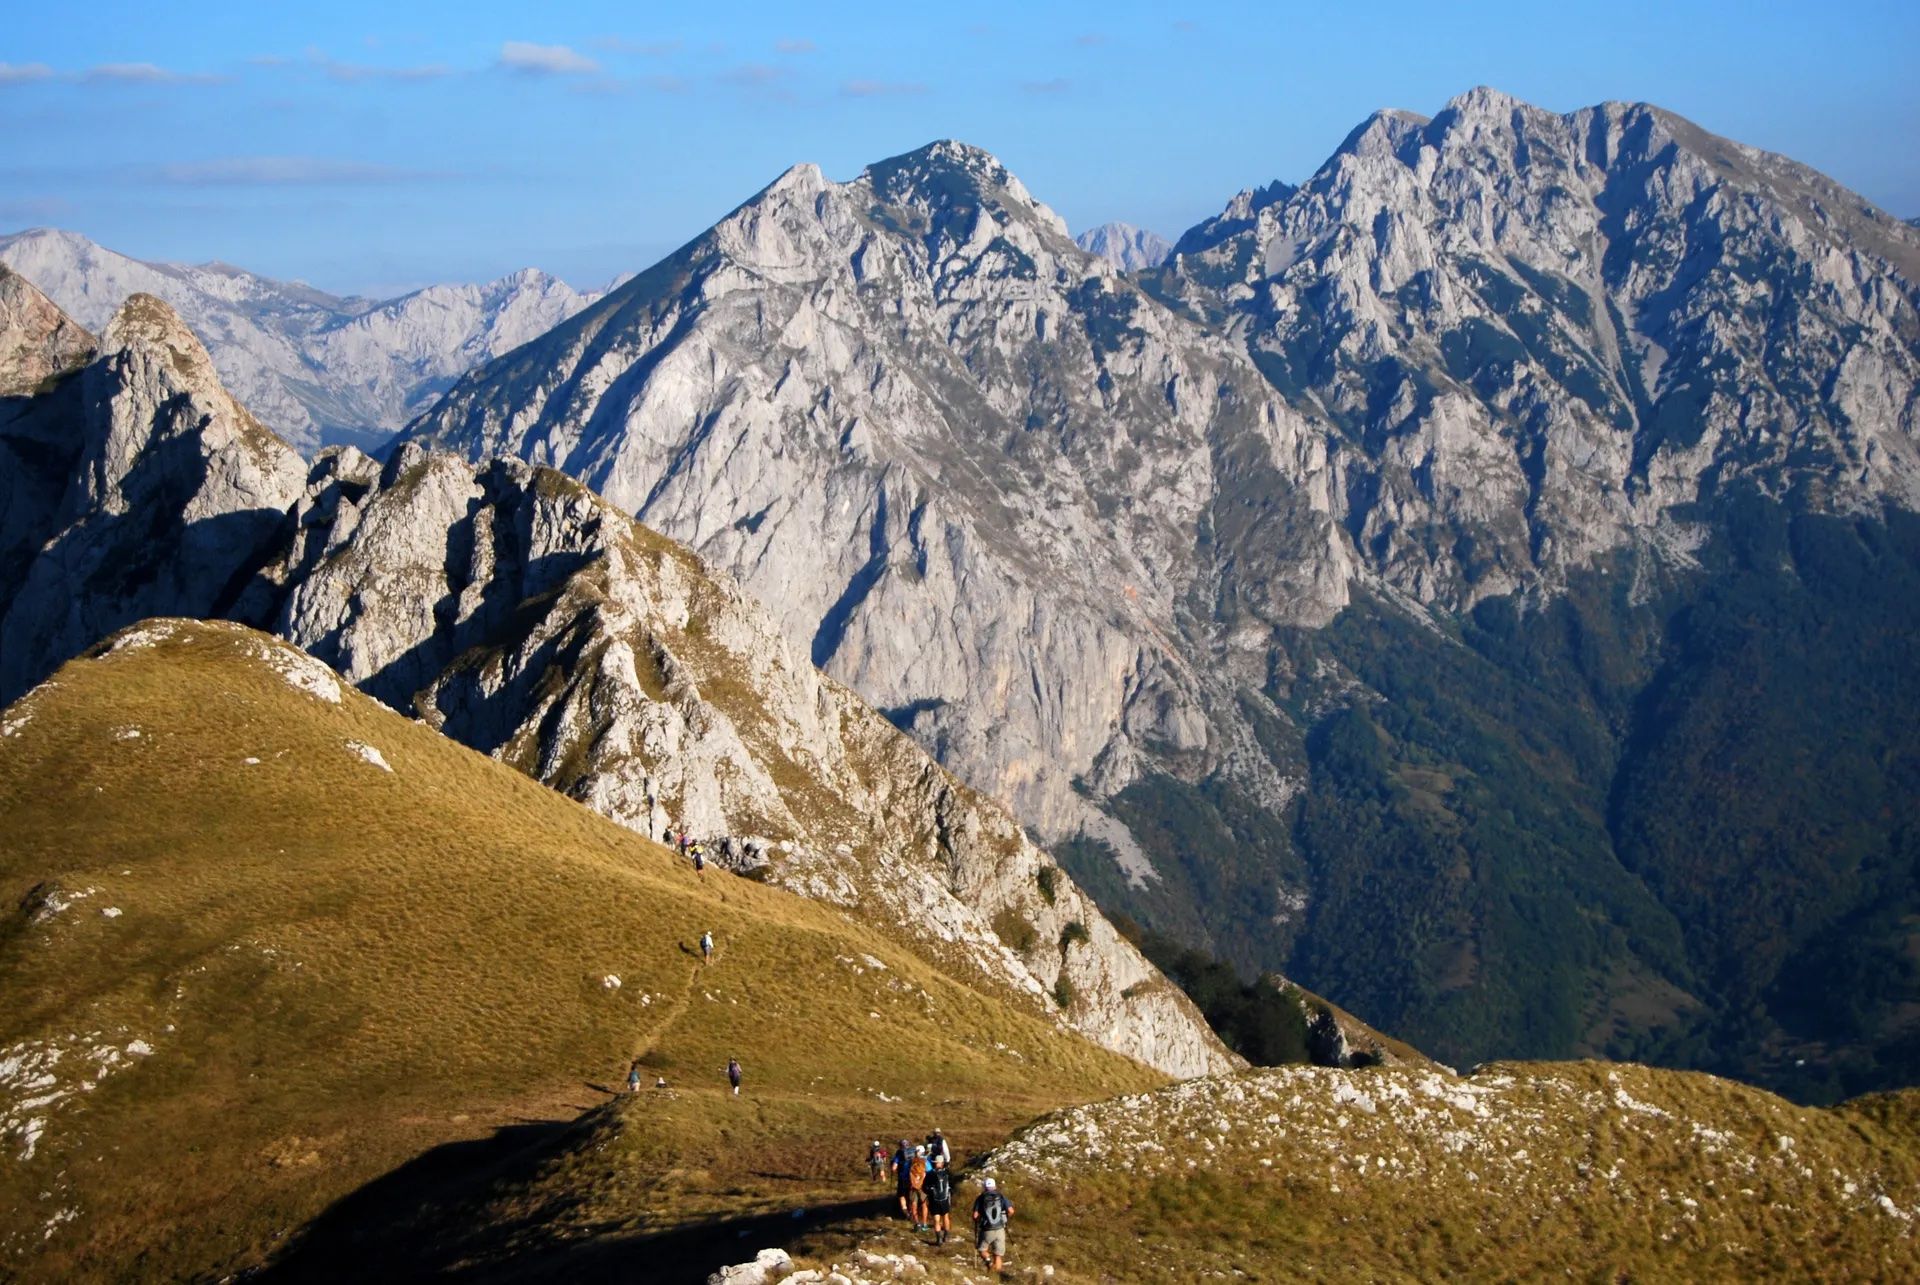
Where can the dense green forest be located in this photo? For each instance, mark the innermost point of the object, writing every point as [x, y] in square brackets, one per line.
[1666, 814]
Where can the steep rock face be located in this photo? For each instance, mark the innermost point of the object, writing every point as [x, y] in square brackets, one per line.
[974, 471]
[317, 366]
[38, 342]
[1126, 247]
[1542, 335]
[528, 618]
[151, 489]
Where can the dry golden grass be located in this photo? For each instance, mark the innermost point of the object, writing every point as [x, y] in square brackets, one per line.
[337, 967]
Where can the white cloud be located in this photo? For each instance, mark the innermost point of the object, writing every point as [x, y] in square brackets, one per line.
[545, 60]
[12, 72]
[146, 73]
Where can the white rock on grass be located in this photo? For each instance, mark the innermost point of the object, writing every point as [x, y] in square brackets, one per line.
[370, 754]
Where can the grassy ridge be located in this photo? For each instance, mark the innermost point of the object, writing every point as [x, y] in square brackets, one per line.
[246, 968]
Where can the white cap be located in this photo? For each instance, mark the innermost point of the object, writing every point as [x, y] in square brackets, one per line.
[919, 1151]
[988, 1184]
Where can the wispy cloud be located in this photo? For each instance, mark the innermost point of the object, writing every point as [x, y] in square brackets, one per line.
[350, 72]
[545, 60]
[146, 73]
[1058, 85]
[795, 47]
[642, 48]
[1090, 40]
[881, 88]
[13, 73]
[284, 171]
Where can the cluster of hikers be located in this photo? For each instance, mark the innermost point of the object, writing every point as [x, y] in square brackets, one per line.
[923, 1183]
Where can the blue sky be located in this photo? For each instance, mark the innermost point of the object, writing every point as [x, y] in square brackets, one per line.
[377, 146]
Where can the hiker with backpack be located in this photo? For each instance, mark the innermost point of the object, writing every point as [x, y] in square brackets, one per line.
[633, 1077]
[700, 861]
[937, 1147]
[939, 1193]
[917, 1188]
[706, 948]
[733, 1074]
[876, 1158]
[991, 1214]
[902, 1158]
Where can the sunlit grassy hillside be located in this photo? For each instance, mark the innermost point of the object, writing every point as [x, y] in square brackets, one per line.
[265, 940]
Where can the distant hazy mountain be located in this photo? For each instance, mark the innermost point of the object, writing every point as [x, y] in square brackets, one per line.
[1125, 246]
[318, 367]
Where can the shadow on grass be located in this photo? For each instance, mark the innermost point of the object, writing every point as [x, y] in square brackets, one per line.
[431, 1218]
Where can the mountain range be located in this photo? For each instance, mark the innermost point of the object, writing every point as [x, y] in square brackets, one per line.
[318, 367]
[1478, 582]
[1355, 592]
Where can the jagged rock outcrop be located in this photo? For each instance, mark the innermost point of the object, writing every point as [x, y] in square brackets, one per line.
[1126, 247]
[1542, 336]
[38, 342]
[149, 490]
[316, 366]
[528, 618]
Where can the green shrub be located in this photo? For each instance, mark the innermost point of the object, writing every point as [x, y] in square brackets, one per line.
[1075, 933]
[1047, 878]
[1063, 992]
[1019, 935]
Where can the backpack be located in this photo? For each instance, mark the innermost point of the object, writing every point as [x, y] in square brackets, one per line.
[995, 1214]
[940, 1185]
[917, 1172]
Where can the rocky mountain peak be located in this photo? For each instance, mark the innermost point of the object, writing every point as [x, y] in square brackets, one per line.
[38, 341]
[949, 175]
[145, 321]
[1125, 246]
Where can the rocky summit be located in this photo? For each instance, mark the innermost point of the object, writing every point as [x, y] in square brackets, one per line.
[1125, 246]
[1476, 430]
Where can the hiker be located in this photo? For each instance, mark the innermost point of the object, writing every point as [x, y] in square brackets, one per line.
[700, 861]
[633, 1077]
[876, 1158]
[917, 1188]
[683, 841]
[733, 1074]
[991, 1213]
[939, 1191]
[902, 1158]
[706, 947]
[659, 1081]
[937, 1146]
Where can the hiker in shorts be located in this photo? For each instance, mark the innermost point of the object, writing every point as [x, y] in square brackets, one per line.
[700, 861]
[902, 1158]
[706, 948]
[733, 1074]
[917, 1188]
[939, 1193]
[876, 1158]
[633, 1077]
[991, 1214]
